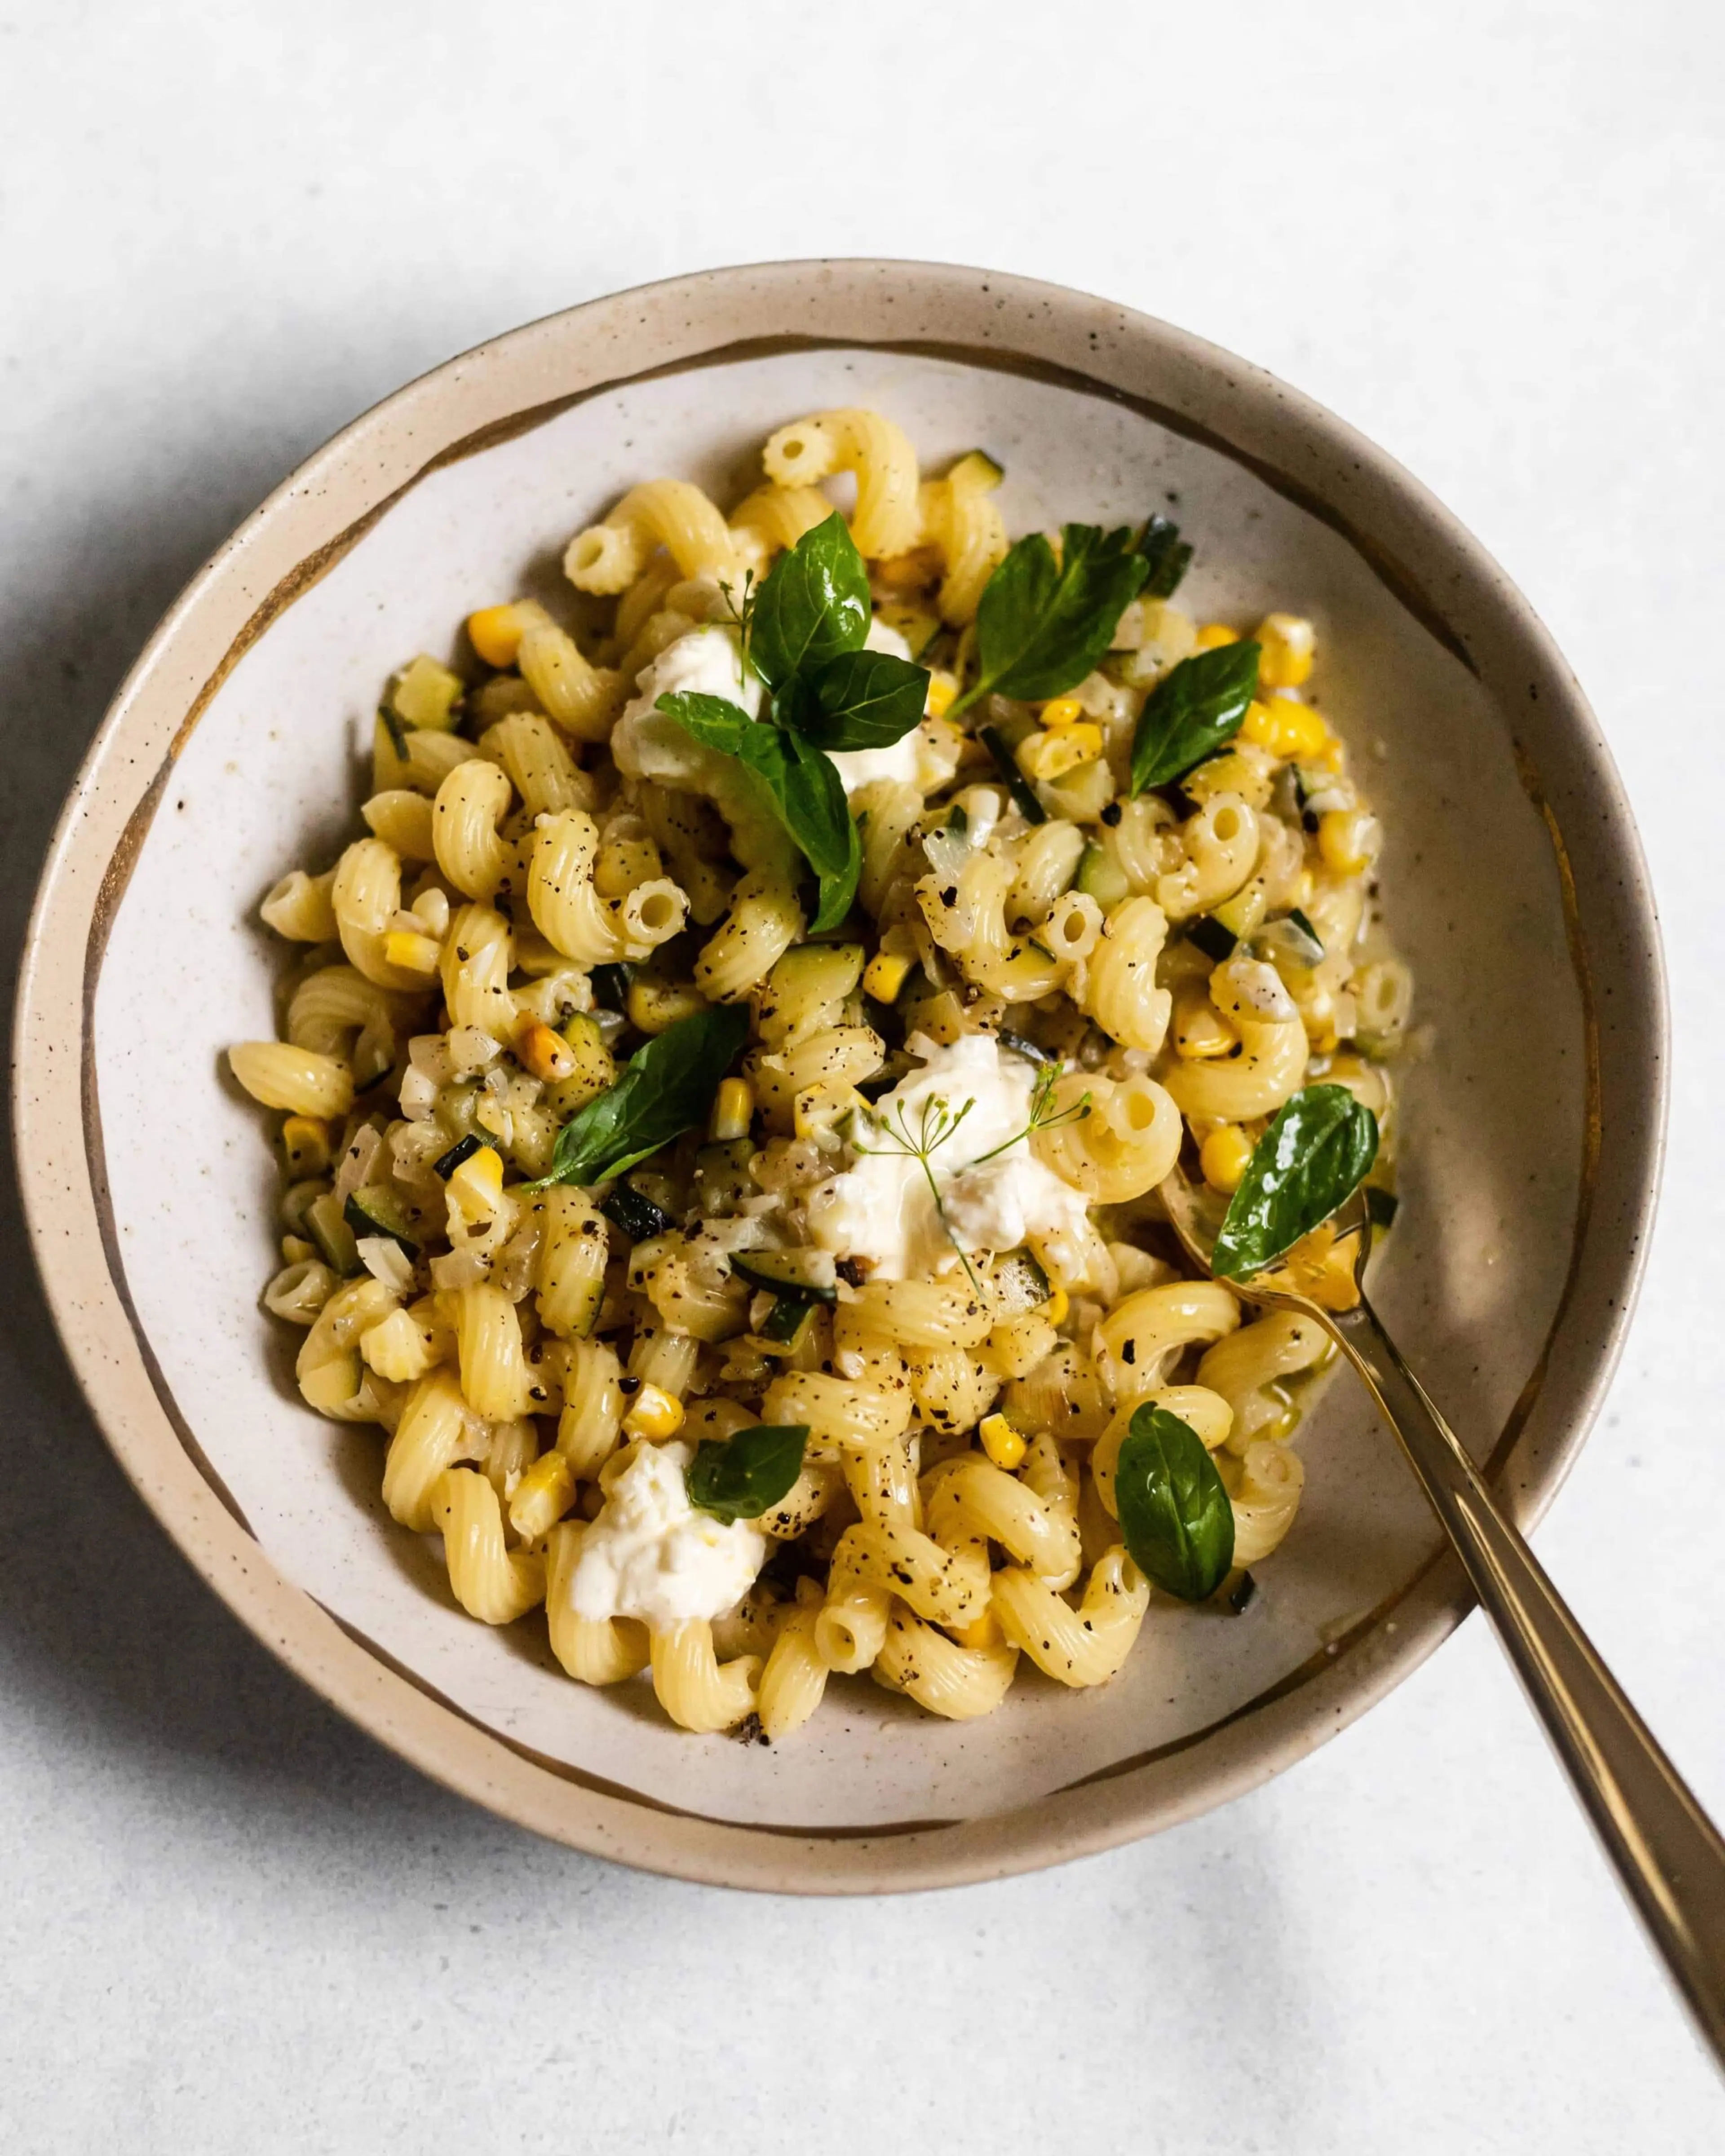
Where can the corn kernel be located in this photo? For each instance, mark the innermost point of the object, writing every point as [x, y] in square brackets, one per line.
[1200, 1028]
[475, 1187]
[495, 634]
[306, 1142]
[1001, 1442]
[654, 1005]
[983, 1631]
[1348, 841]
[538, 1048]
[887, 973]
[1285, 727]
[1286, 646]
[413, 952]
[942, 693]
[733, 1110]
[656, 1415]
[1223, 1157]
[1213, 636]
[1057, 1307]
[1061, 711]
[1049, 755]
[542, 1497]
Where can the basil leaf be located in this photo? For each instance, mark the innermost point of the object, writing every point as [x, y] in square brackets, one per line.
[740, 1477]
[1307, 1163]
[1175, 1516]
[1168, 557]
[666, 1088]
[802, 786]
[861, 700]
[1195, 708]
[812, 606]
[1042, 625]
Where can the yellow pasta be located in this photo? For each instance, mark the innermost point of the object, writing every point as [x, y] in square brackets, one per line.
[893, 1185]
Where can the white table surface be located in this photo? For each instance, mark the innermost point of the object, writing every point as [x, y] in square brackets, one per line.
[1490, 234]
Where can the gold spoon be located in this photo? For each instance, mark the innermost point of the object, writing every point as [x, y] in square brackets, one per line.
[1668, 1854]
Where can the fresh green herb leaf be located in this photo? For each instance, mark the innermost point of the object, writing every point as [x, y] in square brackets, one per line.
[1175, 1516]
[812, 606]
[860, 699]
[1195, 708]
[740, 1477]
[666, 1088]
[937, 1123]
[1168, 557]
[1006, 763]
[1042, 625]
[802, 785]
[1309, 1161]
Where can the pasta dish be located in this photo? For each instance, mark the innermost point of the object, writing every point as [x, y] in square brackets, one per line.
[724, 1092]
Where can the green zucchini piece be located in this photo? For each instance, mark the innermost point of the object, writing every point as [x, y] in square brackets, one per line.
[1382, 1205]
[1023, 792]
[1101, 877]
[332, 1233]
[721, 1175]
[1211, 937]
[1027, 1049]
[1018, 1284]
[446, 1163]
[1242, 913]
[781, 1273]
[785, 1321]
[977, 466]
[635, 1214]
[374, 1209]
[1293, 938]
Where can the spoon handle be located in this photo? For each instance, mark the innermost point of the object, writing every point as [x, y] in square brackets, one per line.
[1667, 1853]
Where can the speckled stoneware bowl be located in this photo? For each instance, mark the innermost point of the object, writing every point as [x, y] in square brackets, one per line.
[1514, 882]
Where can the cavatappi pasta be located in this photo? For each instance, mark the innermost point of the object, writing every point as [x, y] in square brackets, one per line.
[941, 1138]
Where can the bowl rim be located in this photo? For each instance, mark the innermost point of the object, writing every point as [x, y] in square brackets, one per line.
[520, 380]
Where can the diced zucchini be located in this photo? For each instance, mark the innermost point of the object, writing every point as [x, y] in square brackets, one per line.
[446, 1163]
[610, 986]
[1018, 1284]
[977, 468]
[1241, 915]
[635, 1213]
[1027, 1049]
[783, 1323]
[425, 695]
[374, 1209]
[1382, 1205]
[1211, 938]
[786, 1273]
[721, 1175]
[1023, 792]
[1293, 939]
[332, 1233]
[1101, 876]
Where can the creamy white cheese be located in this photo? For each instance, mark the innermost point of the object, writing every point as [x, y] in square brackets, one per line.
[880, 1207]
[651, 1555]
[647, 743]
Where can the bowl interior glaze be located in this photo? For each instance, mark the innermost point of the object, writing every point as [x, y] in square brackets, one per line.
[1499, 1282]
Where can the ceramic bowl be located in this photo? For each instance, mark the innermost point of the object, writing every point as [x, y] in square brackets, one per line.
[1514, 884]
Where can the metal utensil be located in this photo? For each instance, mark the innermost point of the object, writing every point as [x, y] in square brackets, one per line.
[1668, 1854]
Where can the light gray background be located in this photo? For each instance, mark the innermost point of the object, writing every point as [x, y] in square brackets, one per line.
[1491, 236]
